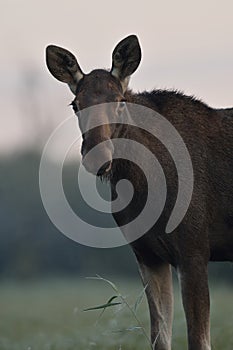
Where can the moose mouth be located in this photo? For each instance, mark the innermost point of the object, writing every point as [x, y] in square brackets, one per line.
[105, 169]
[96, 170]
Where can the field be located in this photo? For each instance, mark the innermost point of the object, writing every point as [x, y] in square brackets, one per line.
[48, 315]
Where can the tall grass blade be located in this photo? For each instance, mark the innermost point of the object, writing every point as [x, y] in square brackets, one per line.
[139, 299]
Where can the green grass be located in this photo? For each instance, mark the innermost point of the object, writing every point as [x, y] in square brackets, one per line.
[49, 316]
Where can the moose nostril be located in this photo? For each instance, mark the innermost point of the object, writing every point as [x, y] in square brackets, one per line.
[105, 168]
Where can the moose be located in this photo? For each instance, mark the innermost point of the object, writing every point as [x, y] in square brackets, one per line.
[206, 231]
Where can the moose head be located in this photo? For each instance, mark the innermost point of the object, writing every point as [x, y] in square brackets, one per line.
[97, 88]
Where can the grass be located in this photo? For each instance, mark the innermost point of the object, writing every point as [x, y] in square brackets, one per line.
[49, 315]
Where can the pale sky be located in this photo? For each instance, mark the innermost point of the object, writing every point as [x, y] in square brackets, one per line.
[186, 45]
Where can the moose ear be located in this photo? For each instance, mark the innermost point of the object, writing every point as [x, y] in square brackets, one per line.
[125, 59]
[63, 65]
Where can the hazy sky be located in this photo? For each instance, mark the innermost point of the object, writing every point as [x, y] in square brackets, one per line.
[186, 45]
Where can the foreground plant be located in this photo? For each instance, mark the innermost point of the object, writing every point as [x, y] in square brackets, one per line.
[118, 299]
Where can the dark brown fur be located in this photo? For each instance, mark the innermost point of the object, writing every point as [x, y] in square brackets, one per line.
[206, 232]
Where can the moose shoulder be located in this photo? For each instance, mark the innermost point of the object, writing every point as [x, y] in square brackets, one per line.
[206, 231]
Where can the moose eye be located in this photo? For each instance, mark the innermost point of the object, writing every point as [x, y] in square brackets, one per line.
[121, 106]
[75, 106]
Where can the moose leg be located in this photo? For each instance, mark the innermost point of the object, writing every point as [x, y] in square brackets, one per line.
[195, 295]
[159, 291]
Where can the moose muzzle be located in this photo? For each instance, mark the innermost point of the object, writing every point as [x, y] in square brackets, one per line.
[98, 159]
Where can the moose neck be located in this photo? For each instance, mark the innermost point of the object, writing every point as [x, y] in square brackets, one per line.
[124, 168]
